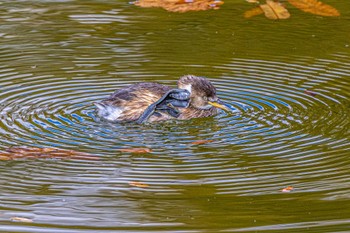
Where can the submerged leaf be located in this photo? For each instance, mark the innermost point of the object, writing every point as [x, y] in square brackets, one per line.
[274, 10]
[315, 7]
[181, 5]
[136, 150]
[14, 153]
[138, 184]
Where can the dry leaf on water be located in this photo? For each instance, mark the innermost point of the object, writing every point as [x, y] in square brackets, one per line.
[20, 219]
[136, 150]
[200, 142]
[287, 189]
[14, 153]
[274, 10]
[315, 7]
[138, 184]
[253, 1]
[181, 5]
[253, 12]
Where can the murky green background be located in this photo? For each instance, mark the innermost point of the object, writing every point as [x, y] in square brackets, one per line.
[288, 82]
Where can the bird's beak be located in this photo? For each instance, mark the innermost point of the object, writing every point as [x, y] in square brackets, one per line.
[219, 104]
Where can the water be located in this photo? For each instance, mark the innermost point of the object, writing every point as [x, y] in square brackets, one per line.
[287, 82]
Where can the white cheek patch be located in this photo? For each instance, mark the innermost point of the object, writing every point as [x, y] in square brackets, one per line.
[188, 87]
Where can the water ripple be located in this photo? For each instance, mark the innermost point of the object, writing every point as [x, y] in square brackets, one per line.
[273, 120]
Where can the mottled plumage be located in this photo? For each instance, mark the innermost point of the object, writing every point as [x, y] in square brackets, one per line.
[129, 103]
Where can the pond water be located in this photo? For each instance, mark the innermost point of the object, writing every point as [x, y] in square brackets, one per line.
[287, 82]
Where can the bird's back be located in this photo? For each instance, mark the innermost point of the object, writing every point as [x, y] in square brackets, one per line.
[127, 104]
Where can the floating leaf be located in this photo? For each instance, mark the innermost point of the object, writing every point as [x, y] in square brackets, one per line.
[287, 189]
[279, 9]
[14, 153]
[181, 5]
[253, 1]
[200, 142]
[253, 12]
[20, 219]
[274, 10]
[138, 184]
[315, 7]
[136, 150]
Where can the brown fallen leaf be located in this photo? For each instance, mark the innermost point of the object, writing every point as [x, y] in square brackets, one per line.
[287, 189]
[315, 7]
[14, 153]
[136, 150]
[274, 10]
[308, 92]
[20, 219]
[180, 5]
[279, 9]
[4, 156]
[253, 12]
[138, 184]
[200, 142]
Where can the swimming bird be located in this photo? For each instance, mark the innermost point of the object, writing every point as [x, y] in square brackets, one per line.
[150, 102]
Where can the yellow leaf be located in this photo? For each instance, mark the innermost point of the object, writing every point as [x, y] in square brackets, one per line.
[274, 10]
[269, 13]
[279, 9]
[287, 189]
[253, 12]
[315, 7]
[136, 150]
[138, 184]
[4, 156]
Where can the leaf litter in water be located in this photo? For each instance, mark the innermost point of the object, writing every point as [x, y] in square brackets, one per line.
[20, 219]
[274, 10]
[287, 189]
[181, 5]
[138, 184]
[15, 153]
[136, 150]
[200, 142]
[312, 93]
[315, 7]
[253, 12]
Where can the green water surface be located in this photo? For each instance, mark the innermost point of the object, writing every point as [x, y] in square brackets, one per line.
[288, 82]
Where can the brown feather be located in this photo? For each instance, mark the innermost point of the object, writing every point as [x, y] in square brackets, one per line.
[136, 98]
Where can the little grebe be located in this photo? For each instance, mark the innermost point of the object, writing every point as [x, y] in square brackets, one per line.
[141, 102]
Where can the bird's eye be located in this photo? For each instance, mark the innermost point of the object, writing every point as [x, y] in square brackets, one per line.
[205, 98]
